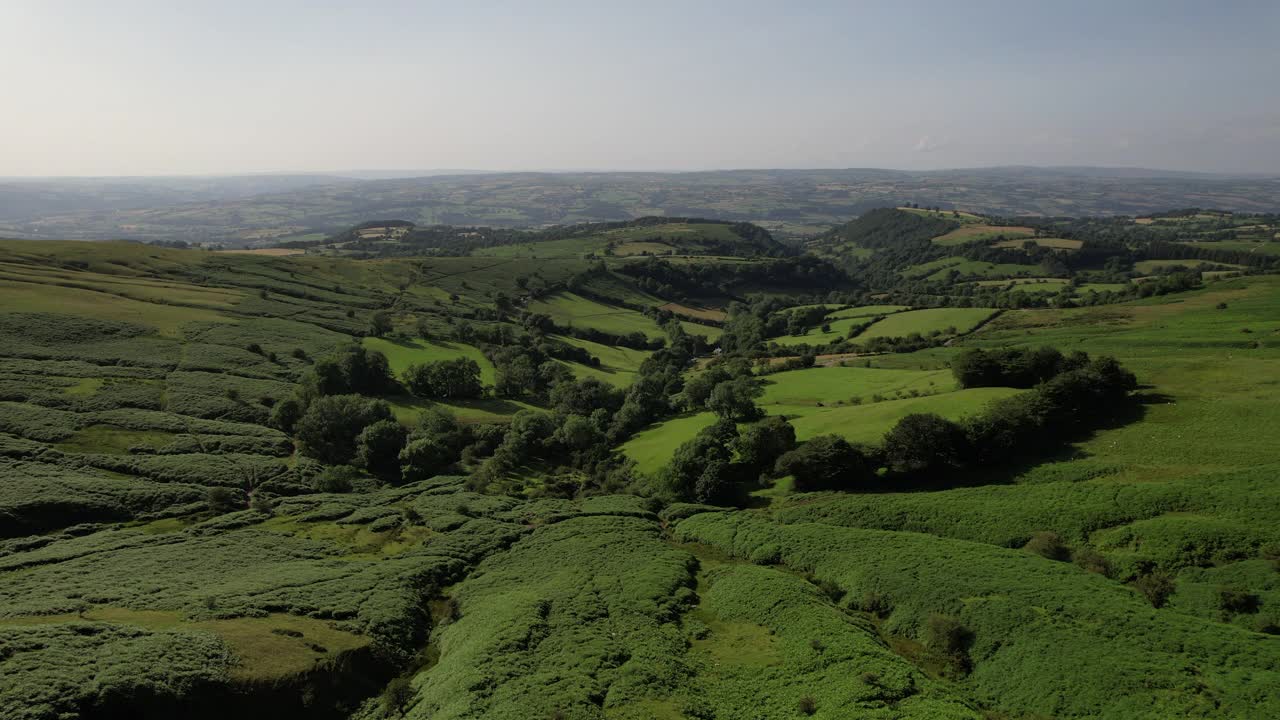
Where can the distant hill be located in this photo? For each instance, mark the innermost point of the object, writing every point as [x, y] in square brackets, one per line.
[789, 203]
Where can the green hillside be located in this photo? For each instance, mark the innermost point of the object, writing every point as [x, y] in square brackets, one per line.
[524, 483]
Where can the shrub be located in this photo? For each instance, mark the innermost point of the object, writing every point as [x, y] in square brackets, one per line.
[1093, 561]
[1156, 586]
[336, 479]
[222, 499]
[1236, 601]
[285, 414]
[397, 695]
[946, 635]
[807, 705]
[1048, 545]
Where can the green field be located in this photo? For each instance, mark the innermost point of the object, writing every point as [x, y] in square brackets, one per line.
[867, 423]
[403, 353]
[570, 310]
[927, 321]
[1261, 248]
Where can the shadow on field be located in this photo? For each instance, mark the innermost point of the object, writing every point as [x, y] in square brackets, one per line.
[1008, 473]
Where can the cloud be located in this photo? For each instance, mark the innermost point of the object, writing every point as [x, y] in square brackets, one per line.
[927, 144]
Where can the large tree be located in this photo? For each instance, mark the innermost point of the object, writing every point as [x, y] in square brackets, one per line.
[331, 424]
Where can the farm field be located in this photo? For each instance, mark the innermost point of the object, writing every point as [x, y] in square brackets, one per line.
[1260, 248]
[1150, 266]
[568, 309]
[1055, 243]
[978, 232]
[927, 321]
[403, 353]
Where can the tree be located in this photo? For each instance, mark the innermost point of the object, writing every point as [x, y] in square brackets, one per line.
[585, 396]
[690, 462]
[349, 370]
[425, 457]
[761, 444]
[735, 399]
[378, 448]
[285, 414]
[516, 377]
[222, 499]
[380, 323]
[577, 433]
[422, 328]
[328, 429]
[444, 379]
[826, 462]
[924, 442]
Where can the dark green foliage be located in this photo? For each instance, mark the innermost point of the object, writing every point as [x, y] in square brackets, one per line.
[826, 462]
[761, 444]
[735, 399]
[700, 469]
[444, 379]
[352, 370]
[222, 500]
[1048, 545]
[584, 397]
[336, 479]
[331, 424]
[286, 414]
[1012, 367]
[925, 443]
[378, 448]
[1156, 586]
[380, 323]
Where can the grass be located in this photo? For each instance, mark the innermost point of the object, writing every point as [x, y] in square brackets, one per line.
[653, 447]
[1151, 266]
[868, 423]
[1055, 243]
[1261, 248]
[978, 232]
[570, 310]
[111, 439]
[926, 321]
[401, 353]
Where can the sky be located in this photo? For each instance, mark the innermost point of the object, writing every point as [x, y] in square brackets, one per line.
[138, 87]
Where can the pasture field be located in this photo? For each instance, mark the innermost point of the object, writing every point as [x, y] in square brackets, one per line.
[566, 248]
[789, 391]
[978, 268]
[868, 422]
[1151, 266]
[570, 310]
[960, 216]
[863, 311]
[1270, 247]
[653, 447]
[927, 321]
[979, 232]
[401, 353]
[1055, 243]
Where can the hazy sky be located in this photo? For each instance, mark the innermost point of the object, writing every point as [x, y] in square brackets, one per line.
[109, 87]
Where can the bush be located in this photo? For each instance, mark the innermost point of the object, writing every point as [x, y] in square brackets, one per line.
[946, 635]
[222, 499]
[1156, 586]
[1092, 561]
[1048, 545]
[336, 479]
[1235, 601]
[807, 705]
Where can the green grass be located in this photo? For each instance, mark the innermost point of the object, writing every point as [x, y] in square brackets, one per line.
[926, 321]
[969, 268]
[867, 423]
[1150, 266]
[827, 385]
[570, 310]
[1261, 248]
[401, 353]
[653, 447]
